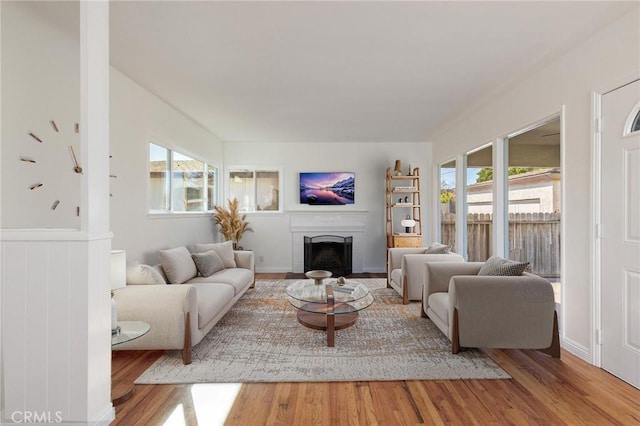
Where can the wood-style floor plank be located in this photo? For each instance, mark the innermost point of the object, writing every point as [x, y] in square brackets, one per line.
[542, 391]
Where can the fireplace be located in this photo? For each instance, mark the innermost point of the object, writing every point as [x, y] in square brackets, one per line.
[330, 253]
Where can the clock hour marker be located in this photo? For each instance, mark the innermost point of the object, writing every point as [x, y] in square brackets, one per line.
[55, 204]
[77, 128]
[113, 176]
[35, 186]
[27, 160]
[35, 137]
[55, 126]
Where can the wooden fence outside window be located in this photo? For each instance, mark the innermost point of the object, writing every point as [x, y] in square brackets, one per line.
[533, 237]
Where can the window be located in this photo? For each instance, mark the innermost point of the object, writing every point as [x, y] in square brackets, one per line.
[635, 127]
[534, 184]
[178, 183]
[479, 204]
[448, 203]
[255, 189]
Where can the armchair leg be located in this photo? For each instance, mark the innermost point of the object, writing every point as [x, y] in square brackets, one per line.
[405, 291]
[186, 350]
[554, 349]
[423, 314]
[455, 333]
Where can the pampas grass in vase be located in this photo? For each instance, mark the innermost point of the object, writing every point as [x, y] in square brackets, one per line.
[232, 224]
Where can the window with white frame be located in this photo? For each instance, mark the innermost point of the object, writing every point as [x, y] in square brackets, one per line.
[257, 189]
[179, 183]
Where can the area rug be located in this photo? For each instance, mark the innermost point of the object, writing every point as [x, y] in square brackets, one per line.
[260, 340]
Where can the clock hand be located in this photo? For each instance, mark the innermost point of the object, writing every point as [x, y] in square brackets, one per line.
[76, 166]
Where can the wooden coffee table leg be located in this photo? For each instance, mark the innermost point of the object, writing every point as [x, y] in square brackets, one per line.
[331, 318]
[331, 330]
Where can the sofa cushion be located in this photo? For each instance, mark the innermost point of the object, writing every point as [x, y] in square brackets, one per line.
[396, 276]
[224, 250]
[178, 265]
[208, 262]
[498, 266]
[238, 278]
[139, 274]
[439, 304]
[212, 300]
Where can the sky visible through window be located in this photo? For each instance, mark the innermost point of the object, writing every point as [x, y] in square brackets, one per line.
[449, 177]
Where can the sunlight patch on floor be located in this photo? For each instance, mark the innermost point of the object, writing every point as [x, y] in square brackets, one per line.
[176, 418]
[212, 402]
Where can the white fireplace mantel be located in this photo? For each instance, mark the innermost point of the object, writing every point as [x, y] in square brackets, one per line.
[343, 224]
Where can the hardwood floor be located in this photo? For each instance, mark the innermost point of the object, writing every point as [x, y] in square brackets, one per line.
[542, 391]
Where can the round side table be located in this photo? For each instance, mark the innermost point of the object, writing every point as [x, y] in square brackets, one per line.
[127, 331]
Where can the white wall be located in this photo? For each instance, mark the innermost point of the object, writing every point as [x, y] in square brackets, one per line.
[40, 82]
[138, 116]
[271, 239]
[610, 57]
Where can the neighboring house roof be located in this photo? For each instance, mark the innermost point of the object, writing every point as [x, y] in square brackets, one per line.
[524, 179]
[184, 165]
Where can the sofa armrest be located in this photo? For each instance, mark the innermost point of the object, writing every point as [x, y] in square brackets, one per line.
[413, 270]
[395, 255]
[164, 307]
[503, 311]
[438, 274]
[244, 259]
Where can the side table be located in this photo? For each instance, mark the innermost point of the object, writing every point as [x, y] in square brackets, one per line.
[128, 330]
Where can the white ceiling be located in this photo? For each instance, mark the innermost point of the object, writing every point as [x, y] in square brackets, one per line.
[339, 71]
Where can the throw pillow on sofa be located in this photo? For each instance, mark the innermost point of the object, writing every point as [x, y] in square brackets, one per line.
[178, 265]
[498, 266]
[224, 250]
[208, 263]
[437, 248]
[139, 273]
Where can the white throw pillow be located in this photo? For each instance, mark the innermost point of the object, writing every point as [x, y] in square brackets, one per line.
[224, 250]
[437, 248]
[208, 263]
[139, 274]
[178, 265]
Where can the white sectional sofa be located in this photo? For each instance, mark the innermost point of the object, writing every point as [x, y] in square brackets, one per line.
[178, 301]
[405, 268]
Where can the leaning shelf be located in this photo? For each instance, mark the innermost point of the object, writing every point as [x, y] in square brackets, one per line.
[403, 201]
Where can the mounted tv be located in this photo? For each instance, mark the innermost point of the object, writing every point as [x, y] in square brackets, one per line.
[327, 188]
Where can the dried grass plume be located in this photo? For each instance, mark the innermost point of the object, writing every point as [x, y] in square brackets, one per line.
[232, 224]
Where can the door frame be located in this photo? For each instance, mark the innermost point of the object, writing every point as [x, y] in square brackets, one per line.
[596, 192]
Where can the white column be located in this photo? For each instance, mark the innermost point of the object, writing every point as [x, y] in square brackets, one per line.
[56, 344]
[461, 205]
[500, 199]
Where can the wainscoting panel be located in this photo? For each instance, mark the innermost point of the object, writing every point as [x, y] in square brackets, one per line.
[55, 324]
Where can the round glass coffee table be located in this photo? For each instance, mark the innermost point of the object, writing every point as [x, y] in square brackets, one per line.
[122, 390]
[328, 306]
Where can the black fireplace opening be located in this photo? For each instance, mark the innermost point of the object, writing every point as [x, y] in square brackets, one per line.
[330, 253]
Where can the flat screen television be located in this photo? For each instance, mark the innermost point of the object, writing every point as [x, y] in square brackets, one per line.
[325, 188]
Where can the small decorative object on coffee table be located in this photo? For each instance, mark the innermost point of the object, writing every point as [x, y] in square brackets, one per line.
[318, 276]
[329, 307]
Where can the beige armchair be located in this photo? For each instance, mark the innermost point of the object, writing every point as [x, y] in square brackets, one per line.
[405, 270]
[516, 312]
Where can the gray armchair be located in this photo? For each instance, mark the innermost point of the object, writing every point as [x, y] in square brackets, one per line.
[516, 312]
[405, 270]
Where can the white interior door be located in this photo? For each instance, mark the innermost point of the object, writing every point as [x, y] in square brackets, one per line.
[620, 244]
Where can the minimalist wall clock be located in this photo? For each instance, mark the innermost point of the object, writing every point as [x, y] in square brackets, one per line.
[73, 161]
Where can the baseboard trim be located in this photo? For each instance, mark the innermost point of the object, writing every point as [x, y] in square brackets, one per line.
[576, 349]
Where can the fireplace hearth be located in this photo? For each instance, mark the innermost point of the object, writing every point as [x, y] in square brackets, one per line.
[330, 253]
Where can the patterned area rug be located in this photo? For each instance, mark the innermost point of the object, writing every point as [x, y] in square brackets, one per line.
[260, 340]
